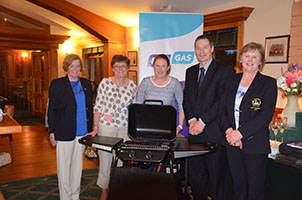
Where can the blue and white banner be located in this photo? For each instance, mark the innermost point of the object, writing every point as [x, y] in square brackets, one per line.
[172, 34]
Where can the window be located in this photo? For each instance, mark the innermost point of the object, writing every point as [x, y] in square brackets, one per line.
[225, 43]
[226, 28]
[93, 59]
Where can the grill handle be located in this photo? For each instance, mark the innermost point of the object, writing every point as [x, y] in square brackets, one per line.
[153, 101]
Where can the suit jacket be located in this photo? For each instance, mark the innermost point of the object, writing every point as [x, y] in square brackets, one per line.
[62, 108]
[206, 105]
[256, 111]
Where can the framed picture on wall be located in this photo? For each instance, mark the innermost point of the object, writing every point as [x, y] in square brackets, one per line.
[132, 75]
[277, 49]
[132, 55]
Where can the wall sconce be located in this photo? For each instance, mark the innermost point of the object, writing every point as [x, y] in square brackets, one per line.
[67, 47]
[24, 54]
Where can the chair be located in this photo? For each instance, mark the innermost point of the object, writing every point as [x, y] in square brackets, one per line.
[19, 93]
[9, 110]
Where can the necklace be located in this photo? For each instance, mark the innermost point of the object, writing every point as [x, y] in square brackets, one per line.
[78, 89]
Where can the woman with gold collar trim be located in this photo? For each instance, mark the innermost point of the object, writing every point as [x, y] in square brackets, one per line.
[245, 114]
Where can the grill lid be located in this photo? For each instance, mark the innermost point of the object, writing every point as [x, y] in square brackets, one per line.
[152, 122]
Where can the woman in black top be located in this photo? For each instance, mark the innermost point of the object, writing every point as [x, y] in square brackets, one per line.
[247, 109]
[70, 117]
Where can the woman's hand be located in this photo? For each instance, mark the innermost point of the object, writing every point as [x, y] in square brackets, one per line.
[238, 144]
[178, 129]
[52, 139]
[228, 131]
[94, 131]
[233, 137]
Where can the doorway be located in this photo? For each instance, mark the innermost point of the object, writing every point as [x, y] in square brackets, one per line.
[40, 82]
[94, 62]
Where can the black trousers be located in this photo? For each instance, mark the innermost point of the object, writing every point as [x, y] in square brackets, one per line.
[207, 175]
[248, 172]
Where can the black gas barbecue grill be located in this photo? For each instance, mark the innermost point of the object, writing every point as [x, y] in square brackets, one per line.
[152, 130]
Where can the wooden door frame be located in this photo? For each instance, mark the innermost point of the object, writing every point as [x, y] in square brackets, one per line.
[233, 18]
[40, 94]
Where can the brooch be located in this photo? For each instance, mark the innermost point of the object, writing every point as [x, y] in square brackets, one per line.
[256, 103]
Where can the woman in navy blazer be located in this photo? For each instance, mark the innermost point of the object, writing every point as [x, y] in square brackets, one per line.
[247, 109]
[69, 118]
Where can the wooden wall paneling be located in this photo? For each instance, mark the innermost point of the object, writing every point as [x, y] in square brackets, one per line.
[239, 43]
[110, 49]
[53, 65]
[3, 75]
[295, 42]
[85, 72]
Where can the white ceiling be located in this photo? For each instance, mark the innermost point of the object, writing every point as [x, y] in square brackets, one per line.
[124, 12]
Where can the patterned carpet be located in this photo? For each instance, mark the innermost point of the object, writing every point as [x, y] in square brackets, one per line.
[46, 187]
[25, 118]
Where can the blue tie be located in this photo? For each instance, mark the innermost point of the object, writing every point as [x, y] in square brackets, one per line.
[201, 77]
[199, 81]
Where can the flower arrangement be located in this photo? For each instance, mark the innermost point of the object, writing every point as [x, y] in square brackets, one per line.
[291, 81]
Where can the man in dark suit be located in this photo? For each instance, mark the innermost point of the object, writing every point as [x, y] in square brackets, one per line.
[204, 88]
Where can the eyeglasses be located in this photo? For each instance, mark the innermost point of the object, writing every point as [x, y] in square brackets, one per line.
[120, 66]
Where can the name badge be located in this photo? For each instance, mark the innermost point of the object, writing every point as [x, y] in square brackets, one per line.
[256, 104]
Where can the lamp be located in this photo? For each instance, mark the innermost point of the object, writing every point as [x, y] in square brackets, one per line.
[24, 54]
[67, 47]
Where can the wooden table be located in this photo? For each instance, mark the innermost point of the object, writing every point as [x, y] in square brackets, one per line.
[9, 125]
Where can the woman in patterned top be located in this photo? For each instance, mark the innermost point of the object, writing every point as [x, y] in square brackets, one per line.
[163, 87]
[111, 113]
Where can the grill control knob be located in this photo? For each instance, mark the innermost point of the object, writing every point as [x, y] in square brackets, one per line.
[131, 154]
[149, 155]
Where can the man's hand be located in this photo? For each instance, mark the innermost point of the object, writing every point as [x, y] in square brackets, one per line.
[52, 139]
[196, 127]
